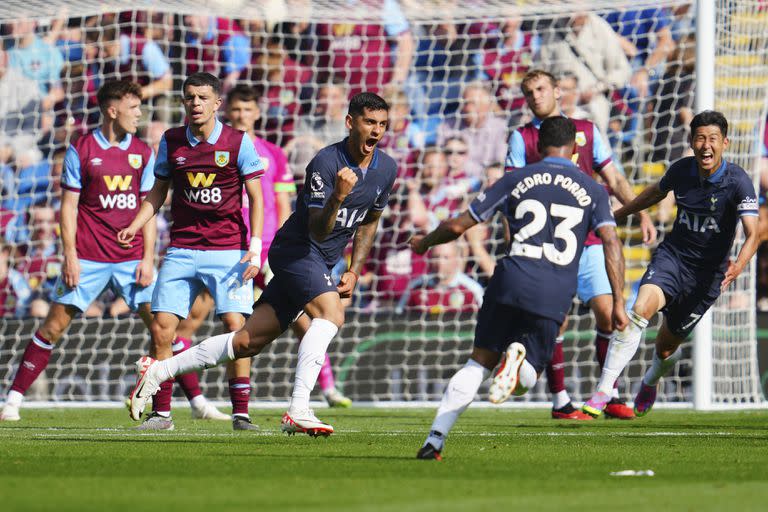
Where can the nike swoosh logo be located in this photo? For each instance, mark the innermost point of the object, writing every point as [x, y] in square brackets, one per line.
[138, 391]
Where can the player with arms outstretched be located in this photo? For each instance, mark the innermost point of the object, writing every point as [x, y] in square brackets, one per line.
[690, 268]
[208, 164]
[105, 174]
[347, 187]
[592, 156]
[550, 206]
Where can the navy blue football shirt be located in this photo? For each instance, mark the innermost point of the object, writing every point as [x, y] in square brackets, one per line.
[551, 206]
[371, 192]
[708, 211]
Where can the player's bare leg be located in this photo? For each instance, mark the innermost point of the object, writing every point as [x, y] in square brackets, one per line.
[36, 357]
[624, 344]
[239, 378]
[666, 354]
[327, 313]
[189, 383]
[602, 307]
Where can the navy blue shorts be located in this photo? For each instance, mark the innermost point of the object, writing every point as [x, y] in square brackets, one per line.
[499, 325]
[295, 283]
[689, 291]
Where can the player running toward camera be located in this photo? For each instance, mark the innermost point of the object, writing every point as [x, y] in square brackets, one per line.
[690, 268]
[208, 163]
[105, 174]
[347, 187]
[592, 156]
[550, 206]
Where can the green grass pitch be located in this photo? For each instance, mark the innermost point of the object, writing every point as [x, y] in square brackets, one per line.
[496, 459]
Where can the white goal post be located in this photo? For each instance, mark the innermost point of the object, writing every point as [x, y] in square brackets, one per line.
[386, 354]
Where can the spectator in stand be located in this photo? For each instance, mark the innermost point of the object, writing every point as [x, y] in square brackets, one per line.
[217, 46]
[445, 289]
[673, 105]
[14, 290]
[447, 56]
[38, 61]
[646, 38]
[569, 97]
[506, 59]
[589, 49]
[324, 126]
[66, 34]
[20, 106]
[369, 56]
[41, 263]
[432, 197]
[24, 182]
[402, 136]
[480, 126]
[286, 83]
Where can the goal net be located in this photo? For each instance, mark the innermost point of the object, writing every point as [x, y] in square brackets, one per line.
[451, 71]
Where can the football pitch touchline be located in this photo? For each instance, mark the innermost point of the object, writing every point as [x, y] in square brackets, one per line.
[102, 433]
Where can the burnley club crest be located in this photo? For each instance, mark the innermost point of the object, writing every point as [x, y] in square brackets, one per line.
[222, 158]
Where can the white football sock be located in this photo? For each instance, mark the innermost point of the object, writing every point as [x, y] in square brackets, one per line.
[620, 351]
[14, 398]
[661, 367]
[459, 393]
[312, 351]
[207, 354]
[526, 378]
[560, 399]
[198, 402]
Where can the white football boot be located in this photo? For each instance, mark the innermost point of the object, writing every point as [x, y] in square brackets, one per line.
[10, 413]
[147, 385]
[505, 381]
[304, 422]
[208, 411]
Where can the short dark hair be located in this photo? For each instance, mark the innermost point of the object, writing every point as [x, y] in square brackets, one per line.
[710, 118]
[201, 80]
[242, 92]
[557, 132]
[366, 100]
[115, 91]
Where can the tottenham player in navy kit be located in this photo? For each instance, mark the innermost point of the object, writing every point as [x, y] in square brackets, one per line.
[550, 206]
[347, 187]
[690, 268]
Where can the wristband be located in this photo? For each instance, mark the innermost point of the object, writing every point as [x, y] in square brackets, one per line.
[255, 248]
[357, 277]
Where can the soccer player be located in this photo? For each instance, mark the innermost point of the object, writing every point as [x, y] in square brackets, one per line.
[208, 163]
[690, 268]
[347, 187]
[551, 206]
[105, 174]
[591, 155]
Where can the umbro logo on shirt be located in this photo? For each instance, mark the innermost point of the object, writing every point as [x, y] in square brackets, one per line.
[96, 161]
[180, 160]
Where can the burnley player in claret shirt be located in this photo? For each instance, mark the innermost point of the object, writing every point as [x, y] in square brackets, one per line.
[208, 164]
[347, 187]
[106, 173]
[690, 268]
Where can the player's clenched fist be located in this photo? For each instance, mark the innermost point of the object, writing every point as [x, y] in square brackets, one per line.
[125, 237]
[345, 182]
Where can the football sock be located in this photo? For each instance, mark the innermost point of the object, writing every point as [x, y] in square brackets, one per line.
[602, 340]
[161, 402]
[661, 367]
[459, 393]
[207, 354]
[556, 375]
[189, 382]
[312, 351]
[526, 378]
[240, 394]
[326, 380]
[35, 359]
[621, 349]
